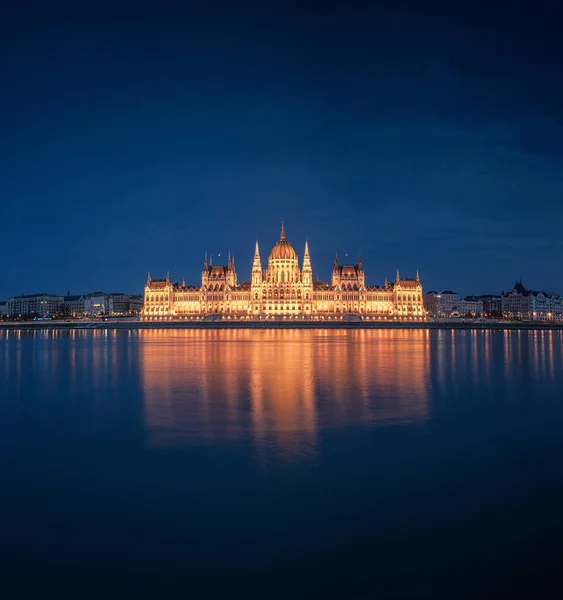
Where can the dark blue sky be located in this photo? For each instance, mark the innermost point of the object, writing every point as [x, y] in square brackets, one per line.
[135, 138]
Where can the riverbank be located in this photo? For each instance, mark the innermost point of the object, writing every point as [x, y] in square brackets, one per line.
[223, 324]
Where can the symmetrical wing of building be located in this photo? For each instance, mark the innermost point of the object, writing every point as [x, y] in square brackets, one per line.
[283, 289]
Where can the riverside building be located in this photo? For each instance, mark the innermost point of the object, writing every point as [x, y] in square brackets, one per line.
[525, 304]
[37, 305]
[285, 289]
[441, 304]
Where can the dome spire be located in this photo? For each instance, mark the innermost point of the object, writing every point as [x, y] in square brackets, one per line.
[282, 235]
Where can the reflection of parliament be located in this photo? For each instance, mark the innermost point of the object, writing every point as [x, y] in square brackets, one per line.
[283, 290]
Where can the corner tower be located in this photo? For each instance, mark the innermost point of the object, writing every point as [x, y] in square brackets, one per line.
[307, 281]
[256, 283]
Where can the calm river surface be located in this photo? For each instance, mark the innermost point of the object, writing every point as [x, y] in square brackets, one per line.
[281, 463]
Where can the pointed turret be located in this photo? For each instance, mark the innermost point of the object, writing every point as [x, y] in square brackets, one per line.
[256, 268]
[307, 269]
[148, 278]
[231, 273]
[205, 272]
[386, 284]
[335, 280]
[417, 276]
[398, 276]
[360, 271]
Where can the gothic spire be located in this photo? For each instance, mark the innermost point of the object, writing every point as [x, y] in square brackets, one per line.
[306, 258]
[282, 235]
[417, 276]
[398, 276]
[149, 277]
[256, 267]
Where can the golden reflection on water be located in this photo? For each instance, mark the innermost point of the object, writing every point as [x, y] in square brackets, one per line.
[280, 385]
[278, 389]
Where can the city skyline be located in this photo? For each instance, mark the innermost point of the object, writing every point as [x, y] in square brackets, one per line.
[426, 139]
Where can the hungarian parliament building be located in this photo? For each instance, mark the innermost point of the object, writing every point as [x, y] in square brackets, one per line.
[282, 291]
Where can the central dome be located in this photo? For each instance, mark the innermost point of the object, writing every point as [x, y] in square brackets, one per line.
[283, 249]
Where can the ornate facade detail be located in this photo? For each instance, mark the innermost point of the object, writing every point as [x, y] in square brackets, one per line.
[284, 290]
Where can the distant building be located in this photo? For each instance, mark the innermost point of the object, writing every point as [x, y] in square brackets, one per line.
[98, 304]
[119, 305]
[449, 302]
[556, 308]
[73, 306]
[540, 305]
[441, 304]
[135, 304]
[516, 303]
[112, 305]
[471, 306]
[492, 305]
[431, 301]
[3, 308]
[526, 304]
[35, 305]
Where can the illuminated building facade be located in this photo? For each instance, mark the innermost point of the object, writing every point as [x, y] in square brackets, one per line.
[283, 289]
[522, 303]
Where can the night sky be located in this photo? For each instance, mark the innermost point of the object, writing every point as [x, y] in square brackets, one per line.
[134, 139]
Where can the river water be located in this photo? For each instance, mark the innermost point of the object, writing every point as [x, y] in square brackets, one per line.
[281, 463]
